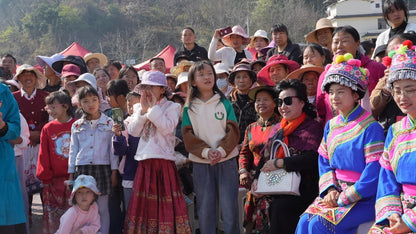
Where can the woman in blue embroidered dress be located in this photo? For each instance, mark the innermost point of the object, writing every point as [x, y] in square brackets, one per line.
[348, 155]
[396, 194]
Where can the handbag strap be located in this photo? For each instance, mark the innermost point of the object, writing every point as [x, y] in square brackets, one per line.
[275, 147]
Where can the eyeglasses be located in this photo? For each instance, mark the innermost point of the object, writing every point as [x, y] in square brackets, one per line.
[287, 101]
[407, 93]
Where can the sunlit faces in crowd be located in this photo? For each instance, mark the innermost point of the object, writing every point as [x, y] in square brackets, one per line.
[404, 95]
[278, 72]
[343, 42]
[342, 98]
[289, 105]
[158, 64]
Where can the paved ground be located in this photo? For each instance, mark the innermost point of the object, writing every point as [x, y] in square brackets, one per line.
[37, 213]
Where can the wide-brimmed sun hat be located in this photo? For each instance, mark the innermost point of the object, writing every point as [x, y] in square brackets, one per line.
[180, 67]
[40, 78]
[77, 60]
[101, 57]
[236, 30]
[322, 23]
[45, 60]
[242, 66]
[253, 92]
[263, 77]
[297, 74]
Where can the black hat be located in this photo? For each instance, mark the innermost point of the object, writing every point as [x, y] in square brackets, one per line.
[77, 60]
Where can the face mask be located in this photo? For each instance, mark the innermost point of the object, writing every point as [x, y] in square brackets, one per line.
[222, 83]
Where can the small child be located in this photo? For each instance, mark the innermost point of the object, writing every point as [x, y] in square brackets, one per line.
[127, 147]
[52, 167]
[82, 217]
[91, 150]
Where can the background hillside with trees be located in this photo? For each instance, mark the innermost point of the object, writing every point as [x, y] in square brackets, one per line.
[138, 29]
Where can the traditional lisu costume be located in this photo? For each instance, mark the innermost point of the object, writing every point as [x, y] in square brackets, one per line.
[348, 161]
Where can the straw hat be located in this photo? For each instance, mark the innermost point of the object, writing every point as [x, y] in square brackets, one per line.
[40, 78]
[253, 92]
[179, 68]
[236, 30]
[320, 24]
[101, 57]
[297, 74]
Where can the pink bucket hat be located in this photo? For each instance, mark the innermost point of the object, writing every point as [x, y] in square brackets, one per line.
[85, 181]
[70, 70]
[155, 78]
[236, 30]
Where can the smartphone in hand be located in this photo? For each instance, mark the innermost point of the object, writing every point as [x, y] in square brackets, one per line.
[117, 117]
[225, 31]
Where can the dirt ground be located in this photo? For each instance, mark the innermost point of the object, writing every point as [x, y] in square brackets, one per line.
[37, 212]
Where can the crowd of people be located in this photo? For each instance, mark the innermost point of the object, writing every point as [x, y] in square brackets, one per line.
[115, 150]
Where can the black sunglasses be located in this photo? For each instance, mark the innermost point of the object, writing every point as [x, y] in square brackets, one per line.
[287, 101]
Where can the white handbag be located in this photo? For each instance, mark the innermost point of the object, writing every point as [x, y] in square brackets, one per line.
[278, 182]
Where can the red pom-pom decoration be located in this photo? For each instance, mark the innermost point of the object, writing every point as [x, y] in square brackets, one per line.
[408, 43]
[387, 61]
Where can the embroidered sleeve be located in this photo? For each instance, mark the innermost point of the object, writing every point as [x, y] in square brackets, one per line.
[326, 181]
[388, 196]
[348, 196]
[373, 151]
[409, 218]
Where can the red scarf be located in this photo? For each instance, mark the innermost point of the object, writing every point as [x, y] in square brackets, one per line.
[287, 129]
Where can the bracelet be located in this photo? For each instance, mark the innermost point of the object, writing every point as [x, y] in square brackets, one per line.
[242, 171]
[275, 163]
[4, 130]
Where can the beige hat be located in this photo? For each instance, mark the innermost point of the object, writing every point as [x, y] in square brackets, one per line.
[221, 68]
[259, 33]
[297, 74]
[179, 68]
[320, 24]
[101, 57]
[236, 30]
[40, 78]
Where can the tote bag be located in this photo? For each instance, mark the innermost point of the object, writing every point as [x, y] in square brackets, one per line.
[278, 182]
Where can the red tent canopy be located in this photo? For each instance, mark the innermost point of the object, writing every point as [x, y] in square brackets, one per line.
[75, 49]
[167, 54]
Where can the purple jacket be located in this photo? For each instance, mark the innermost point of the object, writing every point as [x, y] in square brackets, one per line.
[323, 107]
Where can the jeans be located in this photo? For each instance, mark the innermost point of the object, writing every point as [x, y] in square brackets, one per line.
[127, 195]
[212, 182]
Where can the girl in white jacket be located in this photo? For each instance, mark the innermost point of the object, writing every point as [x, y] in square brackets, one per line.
[157, 203]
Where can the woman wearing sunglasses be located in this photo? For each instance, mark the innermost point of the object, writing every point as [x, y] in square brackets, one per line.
[302, 134]
[348, 155]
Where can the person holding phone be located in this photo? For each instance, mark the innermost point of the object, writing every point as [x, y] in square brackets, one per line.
[234, 38]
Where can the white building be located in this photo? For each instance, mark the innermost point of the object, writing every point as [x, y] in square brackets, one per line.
[364, 15]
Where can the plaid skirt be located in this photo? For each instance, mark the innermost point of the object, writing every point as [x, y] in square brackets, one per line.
[101, 174]
[157, 205]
